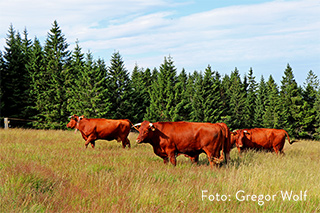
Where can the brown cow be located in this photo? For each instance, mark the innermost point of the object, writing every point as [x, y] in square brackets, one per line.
[260, 138]
[100, 128]
[170, 139]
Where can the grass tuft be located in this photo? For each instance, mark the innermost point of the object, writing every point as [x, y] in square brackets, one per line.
[51, 171]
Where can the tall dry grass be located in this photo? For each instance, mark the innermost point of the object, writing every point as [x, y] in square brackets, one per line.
[51, 171]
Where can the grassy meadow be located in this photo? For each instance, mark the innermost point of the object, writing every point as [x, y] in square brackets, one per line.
[51, 171]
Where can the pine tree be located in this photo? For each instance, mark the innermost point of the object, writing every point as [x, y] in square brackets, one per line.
[237, 95]
[88, 93]
[309, 94]
[251, 96]
[197, 114]
[74, 81]
[140, 97]
[15, 81]
[291, 100]
[52, 101]
[316, 108]
[212, 96]
[119, 89]
[225, 85]
[2, 70]
[260, 103]
[36, 70]
[162, 96]
[182, 110]
[272, 105]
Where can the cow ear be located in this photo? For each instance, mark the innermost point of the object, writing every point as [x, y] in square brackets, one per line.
[82, 116]
[152, 127]
[246, 132]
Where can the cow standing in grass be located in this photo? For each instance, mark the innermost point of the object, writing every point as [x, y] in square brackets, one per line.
[99, 128]
[170, 139]
[260, 139]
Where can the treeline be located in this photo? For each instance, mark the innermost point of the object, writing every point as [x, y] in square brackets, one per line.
[49, 83]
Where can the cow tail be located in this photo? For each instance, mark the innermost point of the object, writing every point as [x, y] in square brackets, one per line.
[290, 142]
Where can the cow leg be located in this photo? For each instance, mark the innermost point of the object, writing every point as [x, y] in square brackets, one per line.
[212, 160]
[128, 143]
[91, 140]
[172, 158]
[93, 143]
[195, 159]
[165, 160]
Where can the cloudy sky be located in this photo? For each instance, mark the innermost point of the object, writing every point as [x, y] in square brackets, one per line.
[262, 34]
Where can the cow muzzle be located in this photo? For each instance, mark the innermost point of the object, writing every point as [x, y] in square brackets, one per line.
[138, 141]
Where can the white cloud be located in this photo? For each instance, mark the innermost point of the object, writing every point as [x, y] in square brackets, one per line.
[276, 32]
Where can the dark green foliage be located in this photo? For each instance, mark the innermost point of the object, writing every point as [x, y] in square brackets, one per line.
[119, 89]
[236, 92]
[197, 114]
[36, 70]
[260, 103]
[272, 108]
[316, 108]
[162, 94]
[309, 121]
[141, 81]
[88, 94]
[291, 103]
[2, 70]
[207, 104]
[50, 83]
[52, 97]
[250, 102]
[182, 98]
[14, 76]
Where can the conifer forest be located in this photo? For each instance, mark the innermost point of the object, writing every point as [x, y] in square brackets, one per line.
[43, 84]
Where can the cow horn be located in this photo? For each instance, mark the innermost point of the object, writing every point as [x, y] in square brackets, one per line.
[150, 124]
[138, 124]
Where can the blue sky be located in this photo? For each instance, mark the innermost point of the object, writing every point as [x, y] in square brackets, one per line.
[264, 35]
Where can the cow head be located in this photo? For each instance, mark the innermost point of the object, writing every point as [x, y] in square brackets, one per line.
[236, 138]
[145, 131]
[74, 120]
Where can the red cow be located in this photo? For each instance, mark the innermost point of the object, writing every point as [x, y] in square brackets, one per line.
[100, 128]
[260, 138]
[170, 139]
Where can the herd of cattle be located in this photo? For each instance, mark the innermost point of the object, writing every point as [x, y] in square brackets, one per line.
[170, 139]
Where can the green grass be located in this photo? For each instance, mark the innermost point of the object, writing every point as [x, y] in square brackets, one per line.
[51, 171]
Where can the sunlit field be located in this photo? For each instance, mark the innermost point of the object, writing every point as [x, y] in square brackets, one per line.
[51, 171]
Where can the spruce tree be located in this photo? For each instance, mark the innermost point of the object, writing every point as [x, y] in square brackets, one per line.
[291, 103]
[237, 95]
[36, 70]
[251, 96]
[225, 85]
[89, 93]
[309, 94]
[197, 114]
[260, 103]
[162, 95]
[316, 107]
[52, 100]
[272, 105]
[119, 89]
[212, 96]
[2, 69]
[15, 80]
[182, 109]
[140, 97]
